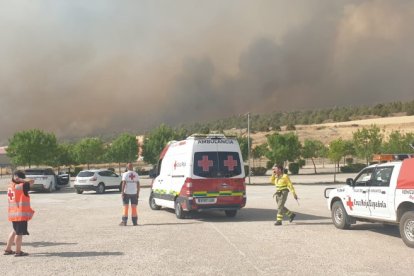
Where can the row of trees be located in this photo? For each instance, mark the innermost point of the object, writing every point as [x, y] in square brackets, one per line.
[35, 147]
[274, 121]
[365, 143]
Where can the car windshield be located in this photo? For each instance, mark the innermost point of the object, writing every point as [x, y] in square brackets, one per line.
[35, 172]
[86, 174]
[216, 164]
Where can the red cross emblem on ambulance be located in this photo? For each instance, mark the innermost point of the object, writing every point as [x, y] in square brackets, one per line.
[230, 163]
[205, 163]
[349, 203]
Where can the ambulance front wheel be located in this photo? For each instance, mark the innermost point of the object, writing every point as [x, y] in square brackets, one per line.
[407, 228]
[179, 213]
[339, 216]
[152, 203]
[230, 213]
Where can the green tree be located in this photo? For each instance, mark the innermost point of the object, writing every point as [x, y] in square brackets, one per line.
[349, 149]
[32, 147]
[259, 151]
[64, 156]
[336, 152]
[243, 143]
[89, 151]
[398, 142]
[155, 141]
[312, 149]
[283, 147]
[367, 142]
[123, 149]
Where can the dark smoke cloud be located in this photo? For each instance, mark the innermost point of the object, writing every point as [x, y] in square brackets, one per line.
[85, 68]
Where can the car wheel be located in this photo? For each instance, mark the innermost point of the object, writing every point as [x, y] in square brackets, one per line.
[152, 203]
[79, 191]
[101, 188]
[407, 228]
[179, 213]
[50, 189]
[339, 216]
[230, 213]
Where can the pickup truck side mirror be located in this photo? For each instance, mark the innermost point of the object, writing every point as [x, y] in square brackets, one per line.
[350, 181]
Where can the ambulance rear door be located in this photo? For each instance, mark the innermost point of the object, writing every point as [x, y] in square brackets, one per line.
[218, 175]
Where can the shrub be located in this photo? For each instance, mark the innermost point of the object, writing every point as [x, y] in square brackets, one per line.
[349, 161]
[269, 165]
[301, 163]
[294, 168]
[352, 168]
[290, 127]
[259, 171]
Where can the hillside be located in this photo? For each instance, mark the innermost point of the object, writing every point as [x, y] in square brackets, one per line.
[329, 131]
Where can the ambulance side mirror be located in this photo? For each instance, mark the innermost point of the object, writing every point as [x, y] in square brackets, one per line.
[350, 182]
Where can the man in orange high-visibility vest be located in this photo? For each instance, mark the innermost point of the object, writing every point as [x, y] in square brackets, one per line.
[20, 212]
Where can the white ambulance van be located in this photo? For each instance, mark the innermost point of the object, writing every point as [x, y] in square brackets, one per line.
[202, 172]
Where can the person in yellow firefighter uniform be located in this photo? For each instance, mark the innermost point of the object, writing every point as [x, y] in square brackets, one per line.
[283, 186]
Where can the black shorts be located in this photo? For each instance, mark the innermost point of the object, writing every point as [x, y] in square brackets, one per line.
[130, 198]
[20, 227]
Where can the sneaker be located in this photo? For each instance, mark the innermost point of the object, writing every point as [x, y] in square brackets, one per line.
[292, 217]
[277, 223]
[122, 223]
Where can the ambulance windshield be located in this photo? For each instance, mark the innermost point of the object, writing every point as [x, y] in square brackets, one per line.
[216, 164]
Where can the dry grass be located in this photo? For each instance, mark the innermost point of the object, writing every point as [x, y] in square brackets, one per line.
[330, 131]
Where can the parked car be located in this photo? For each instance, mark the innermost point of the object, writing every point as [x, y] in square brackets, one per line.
[97, 180]
[46, 179]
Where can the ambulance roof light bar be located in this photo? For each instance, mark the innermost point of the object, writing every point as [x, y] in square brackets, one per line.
[210, 136]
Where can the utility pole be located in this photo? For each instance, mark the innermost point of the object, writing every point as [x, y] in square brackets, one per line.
[248, 143]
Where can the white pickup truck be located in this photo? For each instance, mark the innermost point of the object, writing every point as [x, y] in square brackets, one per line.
[379, 193]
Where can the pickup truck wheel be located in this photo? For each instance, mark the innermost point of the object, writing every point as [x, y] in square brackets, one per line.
[152, 203]
[79, 191]
[230, 213]
[179, 213]
[407, 228]
[101, 188]
[339, 216]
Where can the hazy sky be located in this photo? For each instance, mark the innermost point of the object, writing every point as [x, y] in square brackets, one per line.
[80, 68]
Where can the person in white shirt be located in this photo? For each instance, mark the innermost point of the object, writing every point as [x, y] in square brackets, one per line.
[130, 193]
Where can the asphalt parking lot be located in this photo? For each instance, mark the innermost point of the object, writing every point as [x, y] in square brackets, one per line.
[73, 234]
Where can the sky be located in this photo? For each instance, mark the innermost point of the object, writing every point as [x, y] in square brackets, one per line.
[83, 68]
